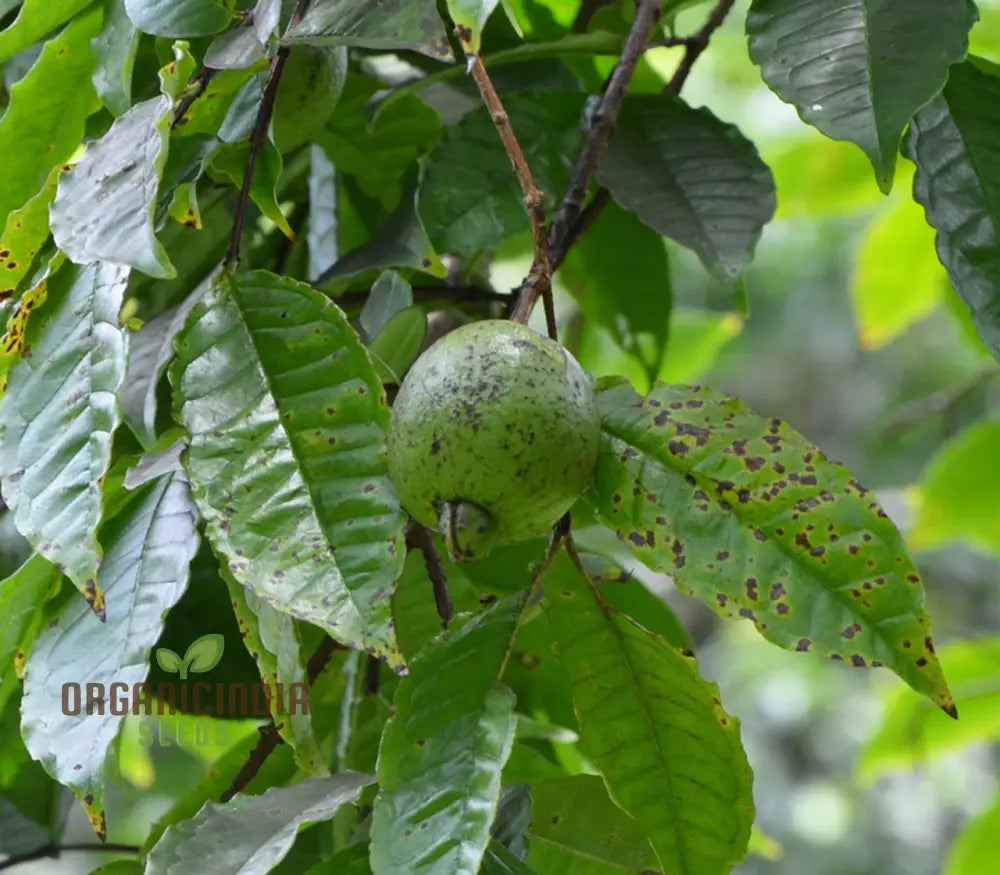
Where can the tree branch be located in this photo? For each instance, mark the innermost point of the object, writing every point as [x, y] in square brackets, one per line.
[603, 123]
[199, 82]
[270, 738]
[55, 851]
[418, 537]
[459, 294]
[539, 278]
[695, 45]
[257, 137]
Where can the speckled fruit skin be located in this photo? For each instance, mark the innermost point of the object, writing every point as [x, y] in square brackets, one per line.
[495, 415]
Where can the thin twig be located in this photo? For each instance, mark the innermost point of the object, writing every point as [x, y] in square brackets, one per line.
[458, 294]
[199, 82]
[695, 45]
[270, 737]
[604, 119]
[941, 401]
[539, 279]
[257, 137]
[418, 537]
[55, 851]
[586, 12]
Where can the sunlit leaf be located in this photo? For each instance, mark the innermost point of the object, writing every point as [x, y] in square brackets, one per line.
[958, 495]
[251, 834]
[65, 390]
[470, 17]
[24, 233]
[43, 123]
[143, 574]
[321, 229]
[858, 71]
[758, 523]
[670, 756]
[36, 19]
[287, 455]
[183, 18]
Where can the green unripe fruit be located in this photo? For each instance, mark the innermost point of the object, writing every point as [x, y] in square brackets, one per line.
[494, 436]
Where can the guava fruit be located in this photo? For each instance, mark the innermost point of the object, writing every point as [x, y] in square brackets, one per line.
[494, 435]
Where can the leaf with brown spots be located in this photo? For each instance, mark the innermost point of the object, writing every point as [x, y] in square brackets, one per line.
[287, 421]
[470, 18]
[670, 755]
[820, 550]
[24, 233]
[58, 417]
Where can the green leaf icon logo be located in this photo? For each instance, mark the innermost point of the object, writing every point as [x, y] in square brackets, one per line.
[202, 655]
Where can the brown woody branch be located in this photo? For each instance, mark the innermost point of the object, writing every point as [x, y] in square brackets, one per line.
[418, 537]
[695, 45]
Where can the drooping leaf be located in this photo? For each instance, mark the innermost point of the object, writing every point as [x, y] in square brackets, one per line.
[230, 160]
[251, 834]
[22, 597]
[65, 390]
[36, 19]
[43, 124]
[758, 523]
[287, 455]
[619, 274]
[374, 24]
[669, 754]
[470, 199]
[470, 17]
[443, 750]
[104, 206]
[974, 850]
[144, 573]
[398, 344]
[307, 96]
[955, 143]
[897, 278]
[956, 497]
[273, 641]
[390, 294]
[183, 18]
[913, 733]
[576, 828]
[114, 50]
[858, 71]
[690, 177]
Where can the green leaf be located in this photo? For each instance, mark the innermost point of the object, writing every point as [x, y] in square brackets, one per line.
[442, 751]
[390, 294]
[374, 24]
[897, 278]
[499, 861]
[955, 144]
[43, 124]
[956, 496]
[690, 177]
[378, 152]
[251, 834]
[183, 18]
[103, 209]
[974, 850]
[208, 111]
[307, 94]
[245, 44]
[696, 339]
[670, 756]
[470, 17]
[176, 74]
[287, 455]
[144, 573]
[758, 523]
[24, 233]
[619, 274]
[36, 19]
[913, 733]
[470, 199]
[398, 344]
[115, 48]
[858, 71]
[22, 597]
[273, 641]
[65, 390]
[230, 160]
[576, 828]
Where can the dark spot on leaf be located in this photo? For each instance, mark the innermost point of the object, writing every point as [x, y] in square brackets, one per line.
[722, 555]
[857, 660]
[782, 608]
[751, 586]
[803, 645]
